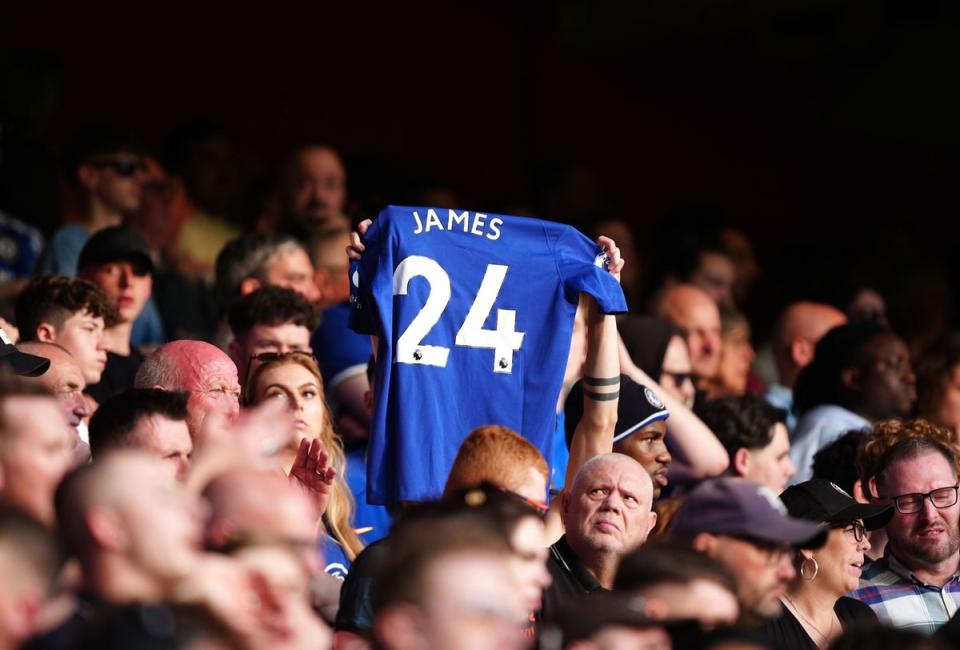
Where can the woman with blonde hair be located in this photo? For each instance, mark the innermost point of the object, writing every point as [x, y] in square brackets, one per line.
[294, 378]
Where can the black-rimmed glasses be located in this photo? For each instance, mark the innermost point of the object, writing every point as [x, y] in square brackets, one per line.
[908, 504]
[856, 529]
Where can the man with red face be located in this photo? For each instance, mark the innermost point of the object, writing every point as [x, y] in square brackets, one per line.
[118, 261]
[201, 370]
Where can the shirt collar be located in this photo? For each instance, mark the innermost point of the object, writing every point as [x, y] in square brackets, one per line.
[898, 568]
[572, 563]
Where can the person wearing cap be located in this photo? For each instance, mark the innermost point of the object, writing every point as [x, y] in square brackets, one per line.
[816, 609]
[118, 261]
[20, 363]
[916, 584]
[640, 431]
[746, 528]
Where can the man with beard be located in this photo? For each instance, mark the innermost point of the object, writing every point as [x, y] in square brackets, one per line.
[916, 584]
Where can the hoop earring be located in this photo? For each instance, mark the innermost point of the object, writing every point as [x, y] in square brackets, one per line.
[816, 569]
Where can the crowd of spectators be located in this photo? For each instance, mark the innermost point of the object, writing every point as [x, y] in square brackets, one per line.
[184, 416]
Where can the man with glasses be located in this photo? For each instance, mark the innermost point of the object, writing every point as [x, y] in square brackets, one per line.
[746, 528]
[271, 320]
[916, 584]
[106, 168]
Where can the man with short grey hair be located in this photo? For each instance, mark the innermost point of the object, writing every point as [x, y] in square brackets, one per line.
[256, 259]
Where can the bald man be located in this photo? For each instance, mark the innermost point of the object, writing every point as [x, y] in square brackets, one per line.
[606, 514]
[794, 340]
[200, 369]
[134, 530]
[692, 309]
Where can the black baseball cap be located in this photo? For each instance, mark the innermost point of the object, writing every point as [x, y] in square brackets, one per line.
[116, 244]
[820, 500]
[739, 507]
[23, 364]
[638, 408]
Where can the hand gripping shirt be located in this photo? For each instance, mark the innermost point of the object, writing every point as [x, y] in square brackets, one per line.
[474, 314]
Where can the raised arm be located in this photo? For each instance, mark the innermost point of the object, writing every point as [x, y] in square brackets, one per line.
[698, 452]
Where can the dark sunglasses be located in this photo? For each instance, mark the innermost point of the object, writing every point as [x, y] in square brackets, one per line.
[125, 167]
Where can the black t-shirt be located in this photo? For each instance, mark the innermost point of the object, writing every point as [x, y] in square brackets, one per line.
[356, 609]
[570, 580]
[787, 633]
[117, 376]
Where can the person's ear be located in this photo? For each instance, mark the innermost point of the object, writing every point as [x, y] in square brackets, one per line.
[652, 522]
[807, 554]
[742, 461]
[858, 494]
[850, 378]
[801, 352]
[46, 333]
[87, 176]
[105, 530]
[704, 543]
[248, 286]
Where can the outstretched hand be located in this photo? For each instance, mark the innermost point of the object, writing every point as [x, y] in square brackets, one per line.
[311, 473]
[614, 261]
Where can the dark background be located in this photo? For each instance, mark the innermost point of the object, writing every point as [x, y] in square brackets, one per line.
[827, 130]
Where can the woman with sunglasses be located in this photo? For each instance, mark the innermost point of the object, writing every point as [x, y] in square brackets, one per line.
[294, 378]
[815, 609]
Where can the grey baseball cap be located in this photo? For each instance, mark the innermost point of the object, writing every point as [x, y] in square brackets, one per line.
[742, 508]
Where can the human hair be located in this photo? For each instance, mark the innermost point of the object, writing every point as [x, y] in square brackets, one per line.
[96, 140]
[658, 563]
[12, 386]
[271, 306]
[338, 518]
[54, 298]
[913, 447]
[30, 544]
[840, 349]
[837, 461]
[245, 257]
[494, 454]
[744, 421]
[159, 369]
[423, 537]
[934, 368]
[872, 452]
[115, 420]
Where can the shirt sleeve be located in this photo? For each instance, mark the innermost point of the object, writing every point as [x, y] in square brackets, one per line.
[582, 268]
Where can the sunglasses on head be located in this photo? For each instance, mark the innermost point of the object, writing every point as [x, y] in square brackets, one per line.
[125, 167]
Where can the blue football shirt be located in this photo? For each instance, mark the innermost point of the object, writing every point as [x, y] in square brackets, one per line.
[474, 314]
